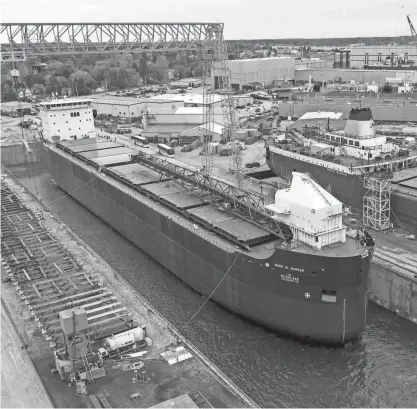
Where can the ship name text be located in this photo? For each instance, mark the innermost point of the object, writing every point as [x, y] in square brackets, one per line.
[289, 278]
[300, 270]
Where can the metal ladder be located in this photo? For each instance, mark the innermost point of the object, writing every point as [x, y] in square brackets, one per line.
[89, 375]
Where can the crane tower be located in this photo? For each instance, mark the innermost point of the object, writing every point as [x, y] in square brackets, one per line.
[412, 29]
[217, 73]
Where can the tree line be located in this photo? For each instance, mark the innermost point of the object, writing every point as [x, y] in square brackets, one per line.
[82, 74]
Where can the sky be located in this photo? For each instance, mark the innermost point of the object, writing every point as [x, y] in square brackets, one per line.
[243, 19]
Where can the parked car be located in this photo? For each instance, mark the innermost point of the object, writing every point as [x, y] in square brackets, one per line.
[121, 131]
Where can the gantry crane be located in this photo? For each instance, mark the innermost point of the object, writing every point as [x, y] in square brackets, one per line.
[217, 75]
[21, 41]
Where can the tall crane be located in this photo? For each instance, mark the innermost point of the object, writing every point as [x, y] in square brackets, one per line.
[412, 29]
[217, 74]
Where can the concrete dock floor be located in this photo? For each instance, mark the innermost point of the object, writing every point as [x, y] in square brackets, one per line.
[162, 381]
[21, 386]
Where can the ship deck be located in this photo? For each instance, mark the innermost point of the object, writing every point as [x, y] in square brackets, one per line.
[348, 161]
[228, 228]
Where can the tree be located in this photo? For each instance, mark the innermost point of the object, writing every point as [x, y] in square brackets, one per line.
[38, 89]
[122, 79]
[99, 73]
[84, 82]
[161, 65]
[143, 67]
[153, 72]
[180, 71]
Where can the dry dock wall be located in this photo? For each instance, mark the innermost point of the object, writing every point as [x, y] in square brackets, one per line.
[16, 154]
[393, 291]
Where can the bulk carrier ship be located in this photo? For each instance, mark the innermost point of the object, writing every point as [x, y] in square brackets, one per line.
[339, 161]
[290, 265]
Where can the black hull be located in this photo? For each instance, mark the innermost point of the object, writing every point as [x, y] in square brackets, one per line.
[253, 288]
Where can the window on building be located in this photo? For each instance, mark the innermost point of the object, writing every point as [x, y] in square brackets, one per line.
[350, 142]
[333, 138]
[356, 143]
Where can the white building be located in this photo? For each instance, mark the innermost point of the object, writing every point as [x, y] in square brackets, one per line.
[188, 100]
[132, 107]
[215, 130]
[65, 119]
[262, 70]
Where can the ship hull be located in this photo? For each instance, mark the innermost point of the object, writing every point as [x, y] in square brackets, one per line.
[282, 292]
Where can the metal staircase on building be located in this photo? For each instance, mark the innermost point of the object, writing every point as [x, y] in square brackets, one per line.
[89, 375]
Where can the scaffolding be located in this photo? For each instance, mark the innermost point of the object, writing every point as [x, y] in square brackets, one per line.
[377, 202]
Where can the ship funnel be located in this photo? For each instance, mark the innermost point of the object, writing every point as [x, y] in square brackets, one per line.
[360, 124]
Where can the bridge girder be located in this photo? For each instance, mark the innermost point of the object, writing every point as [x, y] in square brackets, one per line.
[21, 40]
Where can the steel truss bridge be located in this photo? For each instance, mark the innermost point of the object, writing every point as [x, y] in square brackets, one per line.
[20, 40]
[243, 204]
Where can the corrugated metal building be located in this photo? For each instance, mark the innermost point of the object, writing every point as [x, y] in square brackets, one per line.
[346, 75]
[382, 54]
[263, 70]
[131, 107]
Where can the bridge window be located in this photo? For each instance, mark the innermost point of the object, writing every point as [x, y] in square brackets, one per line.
[328, 295]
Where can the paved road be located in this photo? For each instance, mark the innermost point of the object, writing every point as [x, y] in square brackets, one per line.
[21, 386]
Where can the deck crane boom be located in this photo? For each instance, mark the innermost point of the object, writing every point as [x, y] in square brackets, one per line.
[412, 29]
[217, 73]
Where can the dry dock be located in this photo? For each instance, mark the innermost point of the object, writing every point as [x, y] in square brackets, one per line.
[48, 265]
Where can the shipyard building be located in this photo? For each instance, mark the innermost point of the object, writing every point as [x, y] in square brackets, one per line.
[264, 71]
[361, 76]
[383, 55]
